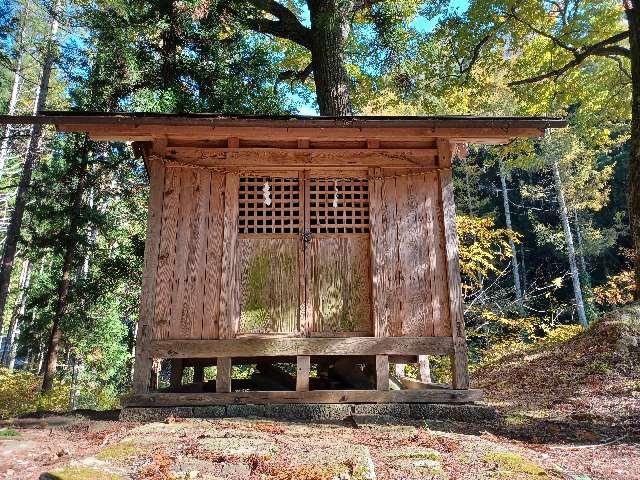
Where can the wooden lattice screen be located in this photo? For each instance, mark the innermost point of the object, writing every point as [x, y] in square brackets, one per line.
[281, 216]
[339, 205]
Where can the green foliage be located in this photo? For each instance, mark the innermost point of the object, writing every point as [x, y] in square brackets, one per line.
[20, 393]
[481, 247]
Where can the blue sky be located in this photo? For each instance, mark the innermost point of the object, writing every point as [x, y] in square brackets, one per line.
[420, 23]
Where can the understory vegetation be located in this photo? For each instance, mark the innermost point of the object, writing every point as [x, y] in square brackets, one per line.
[546, 245]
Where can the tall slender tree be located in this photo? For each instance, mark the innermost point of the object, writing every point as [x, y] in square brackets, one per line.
[68, 262]
[507, 216]
[33, 153]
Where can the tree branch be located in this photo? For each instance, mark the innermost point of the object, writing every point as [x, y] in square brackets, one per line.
[286, 26]
[301, 75]
[604, 48]
[542, 33]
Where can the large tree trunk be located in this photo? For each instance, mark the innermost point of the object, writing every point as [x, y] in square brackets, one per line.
[65, 281]
[15, 224]
[330, 26]
[507, 219]
[9, 352]
[633, 17]
[571, 253]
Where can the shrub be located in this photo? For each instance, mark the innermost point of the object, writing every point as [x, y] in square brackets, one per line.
[20, 393]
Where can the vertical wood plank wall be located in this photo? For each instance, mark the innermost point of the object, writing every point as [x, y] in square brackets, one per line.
[192, 290]
[410, 281]
[188, 272]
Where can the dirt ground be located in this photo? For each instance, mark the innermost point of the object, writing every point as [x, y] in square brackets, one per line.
[74, 448]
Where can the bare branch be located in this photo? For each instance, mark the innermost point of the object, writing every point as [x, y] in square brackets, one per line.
[542, 33]
[286, 26]
[604, 48]
[301, 75]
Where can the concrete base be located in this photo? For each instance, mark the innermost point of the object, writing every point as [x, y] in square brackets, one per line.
[318, 412]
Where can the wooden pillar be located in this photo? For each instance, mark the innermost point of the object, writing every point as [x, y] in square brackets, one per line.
[424, 368]
[229, 301]
[223, 375]
[198, 373]
[154, 377]
[302, 373]
[382, 372]
[143, 361]
[177, 369]
[459, 358]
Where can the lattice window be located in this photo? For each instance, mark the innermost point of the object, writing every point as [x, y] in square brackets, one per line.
[339, 205]
[269, 205]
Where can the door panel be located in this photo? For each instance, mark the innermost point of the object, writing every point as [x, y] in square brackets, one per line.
[269, 293]
[269, 255]
[303, 253]
[338, 287]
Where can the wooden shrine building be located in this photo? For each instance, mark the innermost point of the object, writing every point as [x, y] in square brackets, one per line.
[301, 241]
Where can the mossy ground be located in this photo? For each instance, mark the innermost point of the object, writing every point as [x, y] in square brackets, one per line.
[511, 465]
[8, 433]
[81, 473]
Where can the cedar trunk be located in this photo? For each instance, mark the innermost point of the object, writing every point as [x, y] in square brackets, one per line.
[15, 224]
[62, 302]
[633, 17]
[330, 26]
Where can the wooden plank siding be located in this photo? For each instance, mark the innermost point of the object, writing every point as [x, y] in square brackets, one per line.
[403, 272]
[188, 272]
[339, 287]
[143, 362]
[410, 290]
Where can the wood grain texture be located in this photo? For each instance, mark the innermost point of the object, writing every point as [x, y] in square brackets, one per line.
[142, 369]
[223, 375]
[414, 294]
[213, 268]
[339, 288]
[382, 372]
[436, 260]
[391, 322]
[376, 253]
[187, 183]
[460, 357]
[269, 289]
[278, 346]
[229, 293]
[314, 396]
[190, 324]
[283, 157]
[167, 254]
[303, 368]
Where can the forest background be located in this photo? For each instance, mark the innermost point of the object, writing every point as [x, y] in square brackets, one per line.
[544, 225]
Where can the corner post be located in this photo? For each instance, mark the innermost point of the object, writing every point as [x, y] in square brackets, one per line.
[459, 358]
[143, 360]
